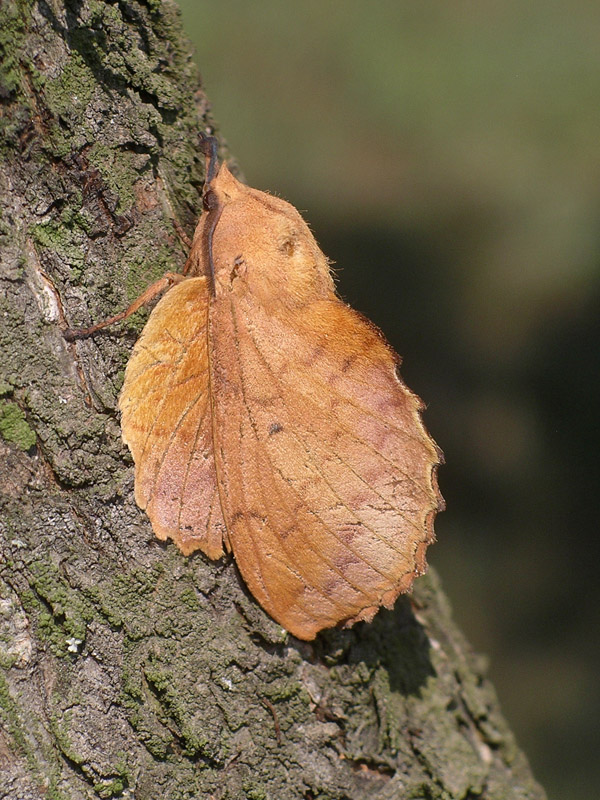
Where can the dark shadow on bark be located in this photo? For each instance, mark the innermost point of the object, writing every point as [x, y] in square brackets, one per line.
[394, 640]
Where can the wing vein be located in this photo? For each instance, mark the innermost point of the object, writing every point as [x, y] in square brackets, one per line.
[187, 472]
[243, 484]
[345, 428]
[283, 501]
[310, 459]
[171, 439]
[300, 574]
[341, 460]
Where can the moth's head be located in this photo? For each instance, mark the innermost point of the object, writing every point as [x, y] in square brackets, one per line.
[261, 244]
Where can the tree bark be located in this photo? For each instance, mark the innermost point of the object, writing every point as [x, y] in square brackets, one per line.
[129, 670]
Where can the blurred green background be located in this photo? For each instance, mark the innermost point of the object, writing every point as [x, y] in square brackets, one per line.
[447, 158]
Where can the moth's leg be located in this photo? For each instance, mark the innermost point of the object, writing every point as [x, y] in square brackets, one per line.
[168, 279]
[185, 239]
[182, 234]
[190, 261]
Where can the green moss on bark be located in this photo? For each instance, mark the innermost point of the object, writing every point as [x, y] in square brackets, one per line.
[62, 614]
[14, 427]
[69, 95]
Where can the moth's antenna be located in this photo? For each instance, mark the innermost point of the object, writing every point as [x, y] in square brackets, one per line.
[210, 147]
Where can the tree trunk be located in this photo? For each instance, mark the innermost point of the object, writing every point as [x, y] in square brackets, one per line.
[128, 669]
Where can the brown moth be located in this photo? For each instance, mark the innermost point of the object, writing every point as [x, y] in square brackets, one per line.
[267, 418]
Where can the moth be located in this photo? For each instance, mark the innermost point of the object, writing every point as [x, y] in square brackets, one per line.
[268, 419]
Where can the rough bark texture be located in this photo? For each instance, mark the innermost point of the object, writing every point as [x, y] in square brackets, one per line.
[127, 669]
